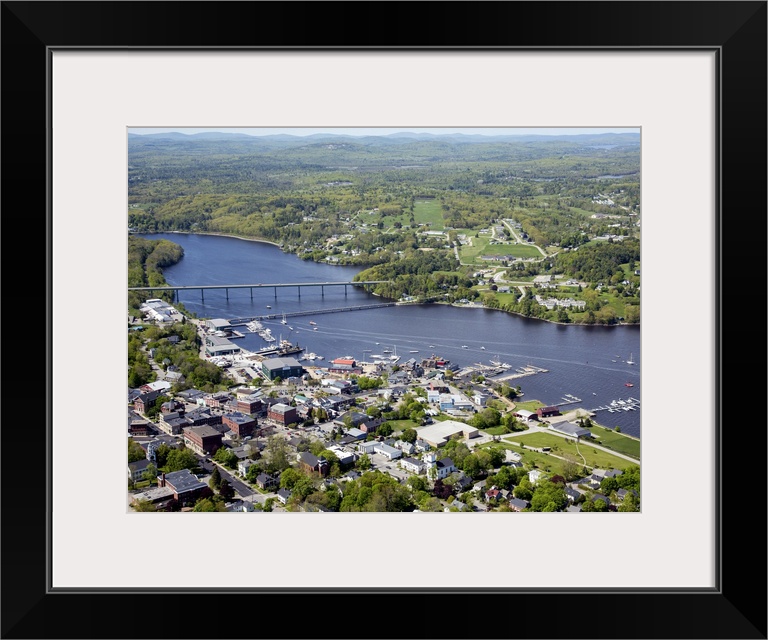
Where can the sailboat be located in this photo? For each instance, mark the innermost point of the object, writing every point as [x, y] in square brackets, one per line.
[284, 321]
[630, 361]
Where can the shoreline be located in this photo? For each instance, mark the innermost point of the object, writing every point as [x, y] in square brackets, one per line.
[211, 233]
[451, 304]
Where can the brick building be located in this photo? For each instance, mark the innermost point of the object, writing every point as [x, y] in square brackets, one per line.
[204, 440]
[240, 423]
[283, 413]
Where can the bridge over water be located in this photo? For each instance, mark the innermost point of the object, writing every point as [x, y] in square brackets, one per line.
[366, 284]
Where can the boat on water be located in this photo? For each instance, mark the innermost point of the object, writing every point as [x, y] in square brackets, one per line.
[430, 346]
[313, 322]
[464, 346]
[314, 328]
[413, 351]
[269, 306]
[284, 321]
[482, 348]
[628, 384]
[631, 360]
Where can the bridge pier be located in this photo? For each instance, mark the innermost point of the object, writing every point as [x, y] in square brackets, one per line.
[251, 293]
[275, 293]
[322, 291]
[226, 292]
[202, 295]
[299, 290]
[345, 291]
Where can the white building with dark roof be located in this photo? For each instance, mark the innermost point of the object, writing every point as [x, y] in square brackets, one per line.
[412, 464]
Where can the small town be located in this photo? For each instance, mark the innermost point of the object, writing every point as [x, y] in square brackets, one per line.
[293, 431]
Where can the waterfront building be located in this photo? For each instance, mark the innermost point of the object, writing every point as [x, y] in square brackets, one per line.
[282, 368]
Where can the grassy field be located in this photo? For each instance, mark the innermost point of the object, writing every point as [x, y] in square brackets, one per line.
[594, 457]
[545, 462]
[529, 405]
[617, 441]
[429, 211]
[481, 246]
[503, 298]
[402, 425]
[496, 431]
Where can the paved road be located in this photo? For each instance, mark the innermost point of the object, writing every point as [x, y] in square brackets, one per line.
[240, 487]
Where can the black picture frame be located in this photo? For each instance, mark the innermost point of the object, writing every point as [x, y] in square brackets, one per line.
[735, 609]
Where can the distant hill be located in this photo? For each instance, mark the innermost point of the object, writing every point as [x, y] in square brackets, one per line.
[392, 138]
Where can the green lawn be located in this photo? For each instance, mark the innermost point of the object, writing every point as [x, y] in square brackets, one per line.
[429, 211]
[617, 441]
[496, 431]
[594, 457]
[402, 425]
[582, 212]
[529, 405]
[481, 246]
[545, 462]
[503, 298]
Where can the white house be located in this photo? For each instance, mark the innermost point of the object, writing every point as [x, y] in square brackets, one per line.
[439, 469]
[480, 399]
[412, 464]
[244, 465]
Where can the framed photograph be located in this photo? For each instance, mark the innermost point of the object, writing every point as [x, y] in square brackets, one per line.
[689, 78]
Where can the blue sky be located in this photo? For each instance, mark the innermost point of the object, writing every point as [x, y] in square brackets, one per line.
[365, 131]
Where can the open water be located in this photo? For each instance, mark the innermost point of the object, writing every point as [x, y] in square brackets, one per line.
[588, 363]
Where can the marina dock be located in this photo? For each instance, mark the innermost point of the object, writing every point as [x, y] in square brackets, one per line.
[522, 372]
[616, 406]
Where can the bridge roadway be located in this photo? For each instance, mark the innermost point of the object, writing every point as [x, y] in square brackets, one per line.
[275, 285]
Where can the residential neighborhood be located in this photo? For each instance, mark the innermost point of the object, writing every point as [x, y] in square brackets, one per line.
[416, 435]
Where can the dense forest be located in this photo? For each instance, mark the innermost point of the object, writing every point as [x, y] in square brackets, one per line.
[146, 261]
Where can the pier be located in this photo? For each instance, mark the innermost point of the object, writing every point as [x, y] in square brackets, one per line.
[522, 372]
[616, 406]
[568, 399]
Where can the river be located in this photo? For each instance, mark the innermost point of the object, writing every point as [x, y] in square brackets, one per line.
[588, 363]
